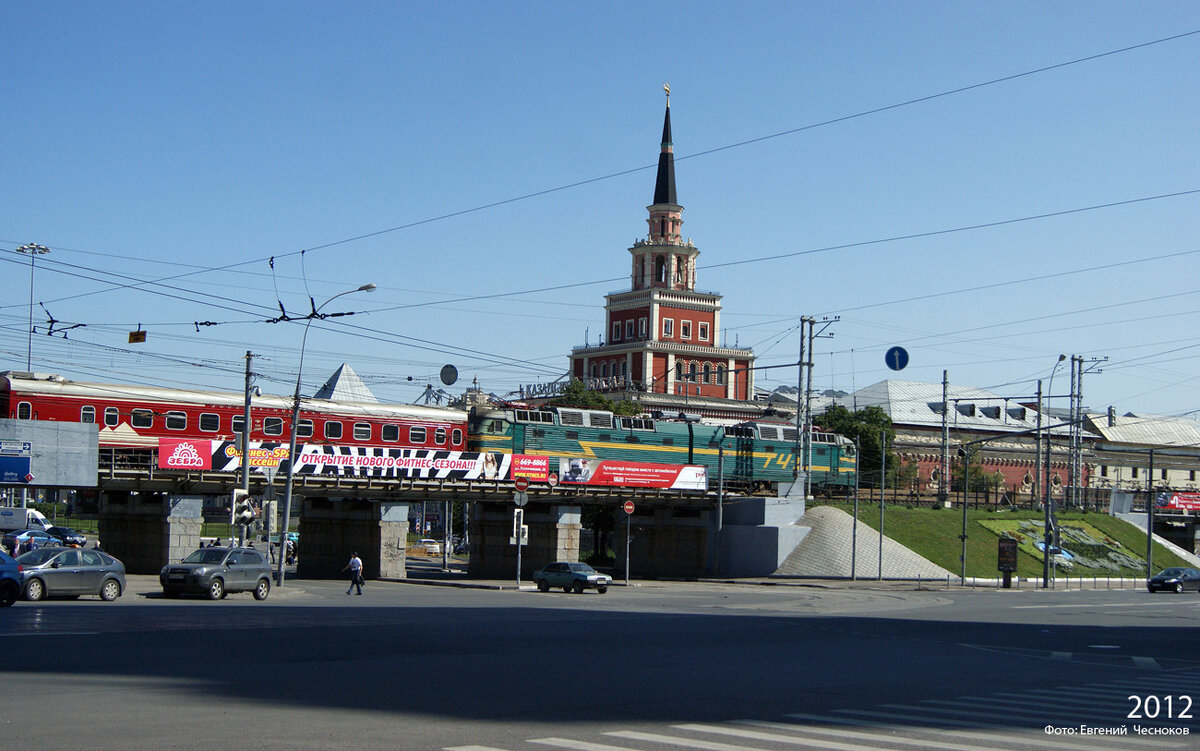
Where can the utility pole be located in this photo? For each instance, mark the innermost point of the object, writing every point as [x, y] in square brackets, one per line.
[804, 397]
[246, 425]
[944, 478]
[33, 250]
[1075, 455]
[1037, 444]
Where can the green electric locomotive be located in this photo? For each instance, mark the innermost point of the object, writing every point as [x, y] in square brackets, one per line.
[757, 456]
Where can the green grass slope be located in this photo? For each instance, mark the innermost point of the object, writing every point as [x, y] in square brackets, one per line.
[1099, 545]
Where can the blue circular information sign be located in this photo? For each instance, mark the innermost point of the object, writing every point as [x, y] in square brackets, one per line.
[896, 358]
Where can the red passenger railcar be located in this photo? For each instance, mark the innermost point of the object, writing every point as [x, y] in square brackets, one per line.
[137, 416]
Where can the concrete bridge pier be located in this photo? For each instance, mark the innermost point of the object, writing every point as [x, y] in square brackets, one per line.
[146, 531]
[553, 536]
[668, 543]
[331, 530]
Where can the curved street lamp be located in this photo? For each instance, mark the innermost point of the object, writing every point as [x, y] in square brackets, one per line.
[287, 488]
[1047, 533]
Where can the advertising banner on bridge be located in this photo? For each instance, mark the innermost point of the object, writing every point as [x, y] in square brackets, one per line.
[577, 471]
[184, 453]
[1185, 501]
[330, 460]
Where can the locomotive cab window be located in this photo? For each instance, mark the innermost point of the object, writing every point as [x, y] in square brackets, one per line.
[416, 435]
[333, 430]
[272, 426]
[362, 431]
[304, 429]
[112, 418]
[456, 437]
[141, 418]
[24, 411]
[176, 420]
[87, 415]
[210, 422]
[390, 433]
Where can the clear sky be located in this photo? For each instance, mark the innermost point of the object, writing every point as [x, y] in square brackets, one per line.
[487, 165]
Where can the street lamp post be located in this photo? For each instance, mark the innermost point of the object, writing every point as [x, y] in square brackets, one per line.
[33, 250]
[1048, 535]
[287, 488]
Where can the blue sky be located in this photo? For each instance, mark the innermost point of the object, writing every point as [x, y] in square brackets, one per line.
[166, 152]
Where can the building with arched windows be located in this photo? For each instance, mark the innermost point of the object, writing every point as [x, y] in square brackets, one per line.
[662, 334]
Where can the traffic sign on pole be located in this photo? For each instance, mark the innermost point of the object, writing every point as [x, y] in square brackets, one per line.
[520, 498]
[521, 483]
[896, 358]
[628, 507]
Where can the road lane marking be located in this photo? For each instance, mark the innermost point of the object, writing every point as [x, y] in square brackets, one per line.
[836, 733]
[578, 745]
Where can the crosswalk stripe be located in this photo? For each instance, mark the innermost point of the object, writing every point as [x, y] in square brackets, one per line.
[671, 740]
[471, 748]
[578, 745]
[836, 733]
[983, 735]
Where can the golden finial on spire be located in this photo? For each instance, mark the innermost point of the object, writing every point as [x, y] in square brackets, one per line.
[667, 88]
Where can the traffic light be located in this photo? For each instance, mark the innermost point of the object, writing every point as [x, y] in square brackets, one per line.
[243, 510]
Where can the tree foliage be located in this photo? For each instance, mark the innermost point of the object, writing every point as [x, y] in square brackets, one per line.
[576, 394]
[866, 427]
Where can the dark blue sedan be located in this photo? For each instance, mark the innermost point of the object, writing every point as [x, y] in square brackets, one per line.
[1174, 580]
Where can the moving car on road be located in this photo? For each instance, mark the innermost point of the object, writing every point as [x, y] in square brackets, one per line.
[1174, 580]
[572, 577]
[70, 572]
[26, 536]
[67, 536]
[215, 572]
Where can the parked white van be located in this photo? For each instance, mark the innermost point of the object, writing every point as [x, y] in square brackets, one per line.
[22, 518]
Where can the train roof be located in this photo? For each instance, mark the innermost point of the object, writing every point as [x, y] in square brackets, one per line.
[50, 384]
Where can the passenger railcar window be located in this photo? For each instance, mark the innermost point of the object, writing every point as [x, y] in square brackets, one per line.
[176, 420]
[362, 431]
[439, 436]
[416, 436]
[112, 418]
[333, 430]
[210, 422]
[142, 418]
[272, 426]
[238, 424]
[390, 433]
[24, 411]
[456, 437]
[87, 414]
[304, 429]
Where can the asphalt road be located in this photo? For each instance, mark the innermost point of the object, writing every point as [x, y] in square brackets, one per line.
[684, 665]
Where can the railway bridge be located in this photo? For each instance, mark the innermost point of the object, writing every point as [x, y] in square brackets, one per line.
[150, 516]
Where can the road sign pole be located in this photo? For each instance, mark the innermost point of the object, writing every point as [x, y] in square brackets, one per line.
[628, 507]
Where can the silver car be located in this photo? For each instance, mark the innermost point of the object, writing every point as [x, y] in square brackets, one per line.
[70, 572]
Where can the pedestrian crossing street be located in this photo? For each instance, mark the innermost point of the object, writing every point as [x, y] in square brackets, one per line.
[1063, 718]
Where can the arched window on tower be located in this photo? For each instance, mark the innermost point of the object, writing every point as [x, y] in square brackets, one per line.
[678, 370]
[707, 373]
[721, 375]
[692, 372]
[604, 370]
[660, 269]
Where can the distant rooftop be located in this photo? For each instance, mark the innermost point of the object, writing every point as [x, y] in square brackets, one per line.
[345, 386]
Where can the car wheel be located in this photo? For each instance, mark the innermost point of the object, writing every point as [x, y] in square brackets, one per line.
[216, 589]
[578, 588]
[543, 585]
[262, 589]
[35, 590]
[9, 592]
[567, 588]
[110, 590]
[601, 590]
[1178, 588]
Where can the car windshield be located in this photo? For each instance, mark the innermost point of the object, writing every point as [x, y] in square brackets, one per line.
[38, 557]
[206, 555]
[1172, 572]
[582, 568]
